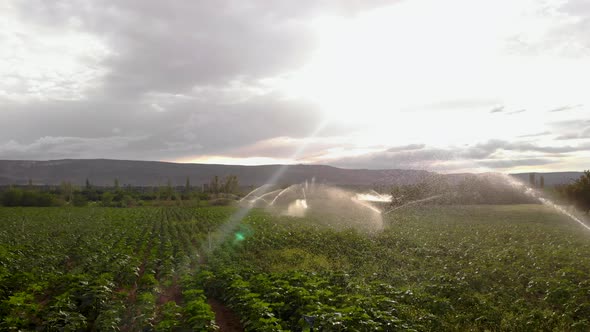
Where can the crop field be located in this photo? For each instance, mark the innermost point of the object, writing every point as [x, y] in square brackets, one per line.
[432, 268]
[102, 269]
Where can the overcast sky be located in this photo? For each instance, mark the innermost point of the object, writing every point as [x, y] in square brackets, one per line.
[456, 85]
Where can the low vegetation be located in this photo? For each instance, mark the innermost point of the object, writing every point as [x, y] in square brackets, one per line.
[433, 268]
[91, 269]
[220, 191]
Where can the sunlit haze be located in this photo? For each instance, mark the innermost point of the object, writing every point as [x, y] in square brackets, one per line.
[449, 86]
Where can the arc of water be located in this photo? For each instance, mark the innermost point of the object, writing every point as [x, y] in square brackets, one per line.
[413, 203]
[252, 192]
[279, 195]
[304, 196]
[267, 194]
[252, 202]
[547, 202]
[374, 192]
[367, 205]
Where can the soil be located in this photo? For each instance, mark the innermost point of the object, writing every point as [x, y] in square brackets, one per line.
[226, 319]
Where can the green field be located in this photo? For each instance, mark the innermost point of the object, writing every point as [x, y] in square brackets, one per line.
[432, 268]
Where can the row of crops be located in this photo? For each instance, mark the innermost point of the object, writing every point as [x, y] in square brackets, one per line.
[479, 268]
[432, 268]
[101, 269]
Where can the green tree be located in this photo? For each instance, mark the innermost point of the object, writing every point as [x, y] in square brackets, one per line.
[532, 180]
[157, 192]
[12, 197]
[67, 191]
[578, 192]
[128, 201]
[79, 199]
[542, 182]
[87, 184]
[231, 184]
[29, 198]
[107, 198]
[214, 186]
[169, 192]
[116, 184]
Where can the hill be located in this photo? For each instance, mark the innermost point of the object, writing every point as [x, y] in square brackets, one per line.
[551, 179]
[102, 172]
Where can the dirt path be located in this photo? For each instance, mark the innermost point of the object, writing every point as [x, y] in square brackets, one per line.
[226, 319]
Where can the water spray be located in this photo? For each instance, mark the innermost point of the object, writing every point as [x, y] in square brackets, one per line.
[237, 217]
[252, 192]
[367, 205]
[262, 197]
[327, 203]
[545, 201]
[424, 200]
[374, 196]
[279, 195]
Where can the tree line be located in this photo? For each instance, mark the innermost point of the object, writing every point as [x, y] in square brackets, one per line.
[577, 192]
[473, 189]
[482, 189]
[116, 195]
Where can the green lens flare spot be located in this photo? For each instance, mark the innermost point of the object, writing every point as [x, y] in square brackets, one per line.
[240, 237]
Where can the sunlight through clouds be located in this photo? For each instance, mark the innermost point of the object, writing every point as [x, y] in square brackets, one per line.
[47, 64]
[243, 84]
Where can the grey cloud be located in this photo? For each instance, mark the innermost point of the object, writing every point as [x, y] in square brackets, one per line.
[481, 154]
[284, 147]
[570, 38]
[420, 159]
[173, 46]
[577, 29]
[493, 145]
[424, 158]
[572, 129]
[583, 134]
[571, 124]
[186, 128]
[516, 112]
[406, 147]
[178, 78]
[196, 49]
[502, 109]
[454, 104]
[507, 163]
[565, 108]
[497, 109]
[542, 133]
[74, 147]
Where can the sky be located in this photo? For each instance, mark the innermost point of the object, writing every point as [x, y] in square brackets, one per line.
[447, 86]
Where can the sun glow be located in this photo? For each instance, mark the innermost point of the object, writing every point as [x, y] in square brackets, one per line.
[227, 160]
[388, 71]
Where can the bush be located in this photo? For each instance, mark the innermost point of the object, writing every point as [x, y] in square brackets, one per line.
[19, 197]
[220, 202]
[12, 197]
[79, 199]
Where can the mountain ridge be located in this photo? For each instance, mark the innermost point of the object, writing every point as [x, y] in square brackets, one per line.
[102, 172]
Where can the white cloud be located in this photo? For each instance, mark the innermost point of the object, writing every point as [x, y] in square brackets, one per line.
[248, 81]
[69, 147]
[42, 64]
